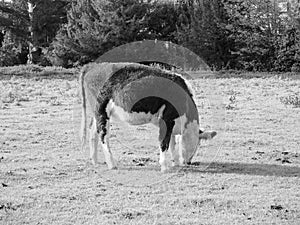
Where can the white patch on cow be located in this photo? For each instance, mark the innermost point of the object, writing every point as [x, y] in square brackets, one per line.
[189, 141]
[179, 124]
[118, 114]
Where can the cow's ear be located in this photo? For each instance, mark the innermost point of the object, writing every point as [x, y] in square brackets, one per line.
[206, 135]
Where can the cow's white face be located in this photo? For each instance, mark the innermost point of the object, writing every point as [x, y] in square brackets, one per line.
[189, 142]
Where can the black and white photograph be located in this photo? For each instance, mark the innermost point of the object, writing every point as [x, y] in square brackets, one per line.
[149, 112]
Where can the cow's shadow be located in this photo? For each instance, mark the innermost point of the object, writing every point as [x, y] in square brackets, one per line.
[254, 169]
[244, 168]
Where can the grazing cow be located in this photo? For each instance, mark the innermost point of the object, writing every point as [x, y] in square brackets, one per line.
[139, 94]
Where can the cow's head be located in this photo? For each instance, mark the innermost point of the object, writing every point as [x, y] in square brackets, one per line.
[190, 141]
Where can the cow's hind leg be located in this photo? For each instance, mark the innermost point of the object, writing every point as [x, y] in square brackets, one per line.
[104, 140]
[93, 141]
[165, 133]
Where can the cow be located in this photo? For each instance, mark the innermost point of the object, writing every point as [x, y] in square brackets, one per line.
[138, 94]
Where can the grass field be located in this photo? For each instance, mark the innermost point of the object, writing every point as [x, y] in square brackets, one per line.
[248, 174]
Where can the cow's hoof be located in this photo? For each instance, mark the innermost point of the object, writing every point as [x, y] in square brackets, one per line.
[175, 163]
[182, 162]
[112, 167]
[94, 162]
[164, 169]
[111, 164]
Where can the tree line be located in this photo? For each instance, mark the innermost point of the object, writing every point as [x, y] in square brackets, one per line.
[253, 35]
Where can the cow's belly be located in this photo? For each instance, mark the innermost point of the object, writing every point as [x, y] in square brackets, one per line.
[135, 118]
[118, 114]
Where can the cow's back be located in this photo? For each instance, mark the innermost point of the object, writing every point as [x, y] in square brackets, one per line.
[128, 84]
[139, 88]
[93, 79]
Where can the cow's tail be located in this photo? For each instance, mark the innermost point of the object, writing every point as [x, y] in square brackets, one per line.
[83, 129]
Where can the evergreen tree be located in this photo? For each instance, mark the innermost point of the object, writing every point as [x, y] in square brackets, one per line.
[253, 27]
[96, 26]
[13, 23]
[32, 23]
[201, 28]
[14, 18]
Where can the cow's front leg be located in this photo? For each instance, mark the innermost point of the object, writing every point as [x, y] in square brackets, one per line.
[180, 151]
[174, 153]
[165, 133]
[104, 140]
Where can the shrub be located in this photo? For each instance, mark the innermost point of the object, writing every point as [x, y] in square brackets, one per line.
[12, 51]
[288, 53]
[293, 100]
[38, 71]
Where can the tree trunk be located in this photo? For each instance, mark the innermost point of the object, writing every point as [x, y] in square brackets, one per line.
[298, 14]
[30, 28]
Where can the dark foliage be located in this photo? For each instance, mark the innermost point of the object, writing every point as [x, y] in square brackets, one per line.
[15, 23]
[253, 35]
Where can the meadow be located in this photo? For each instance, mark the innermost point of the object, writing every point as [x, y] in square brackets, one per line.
[248, 174]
